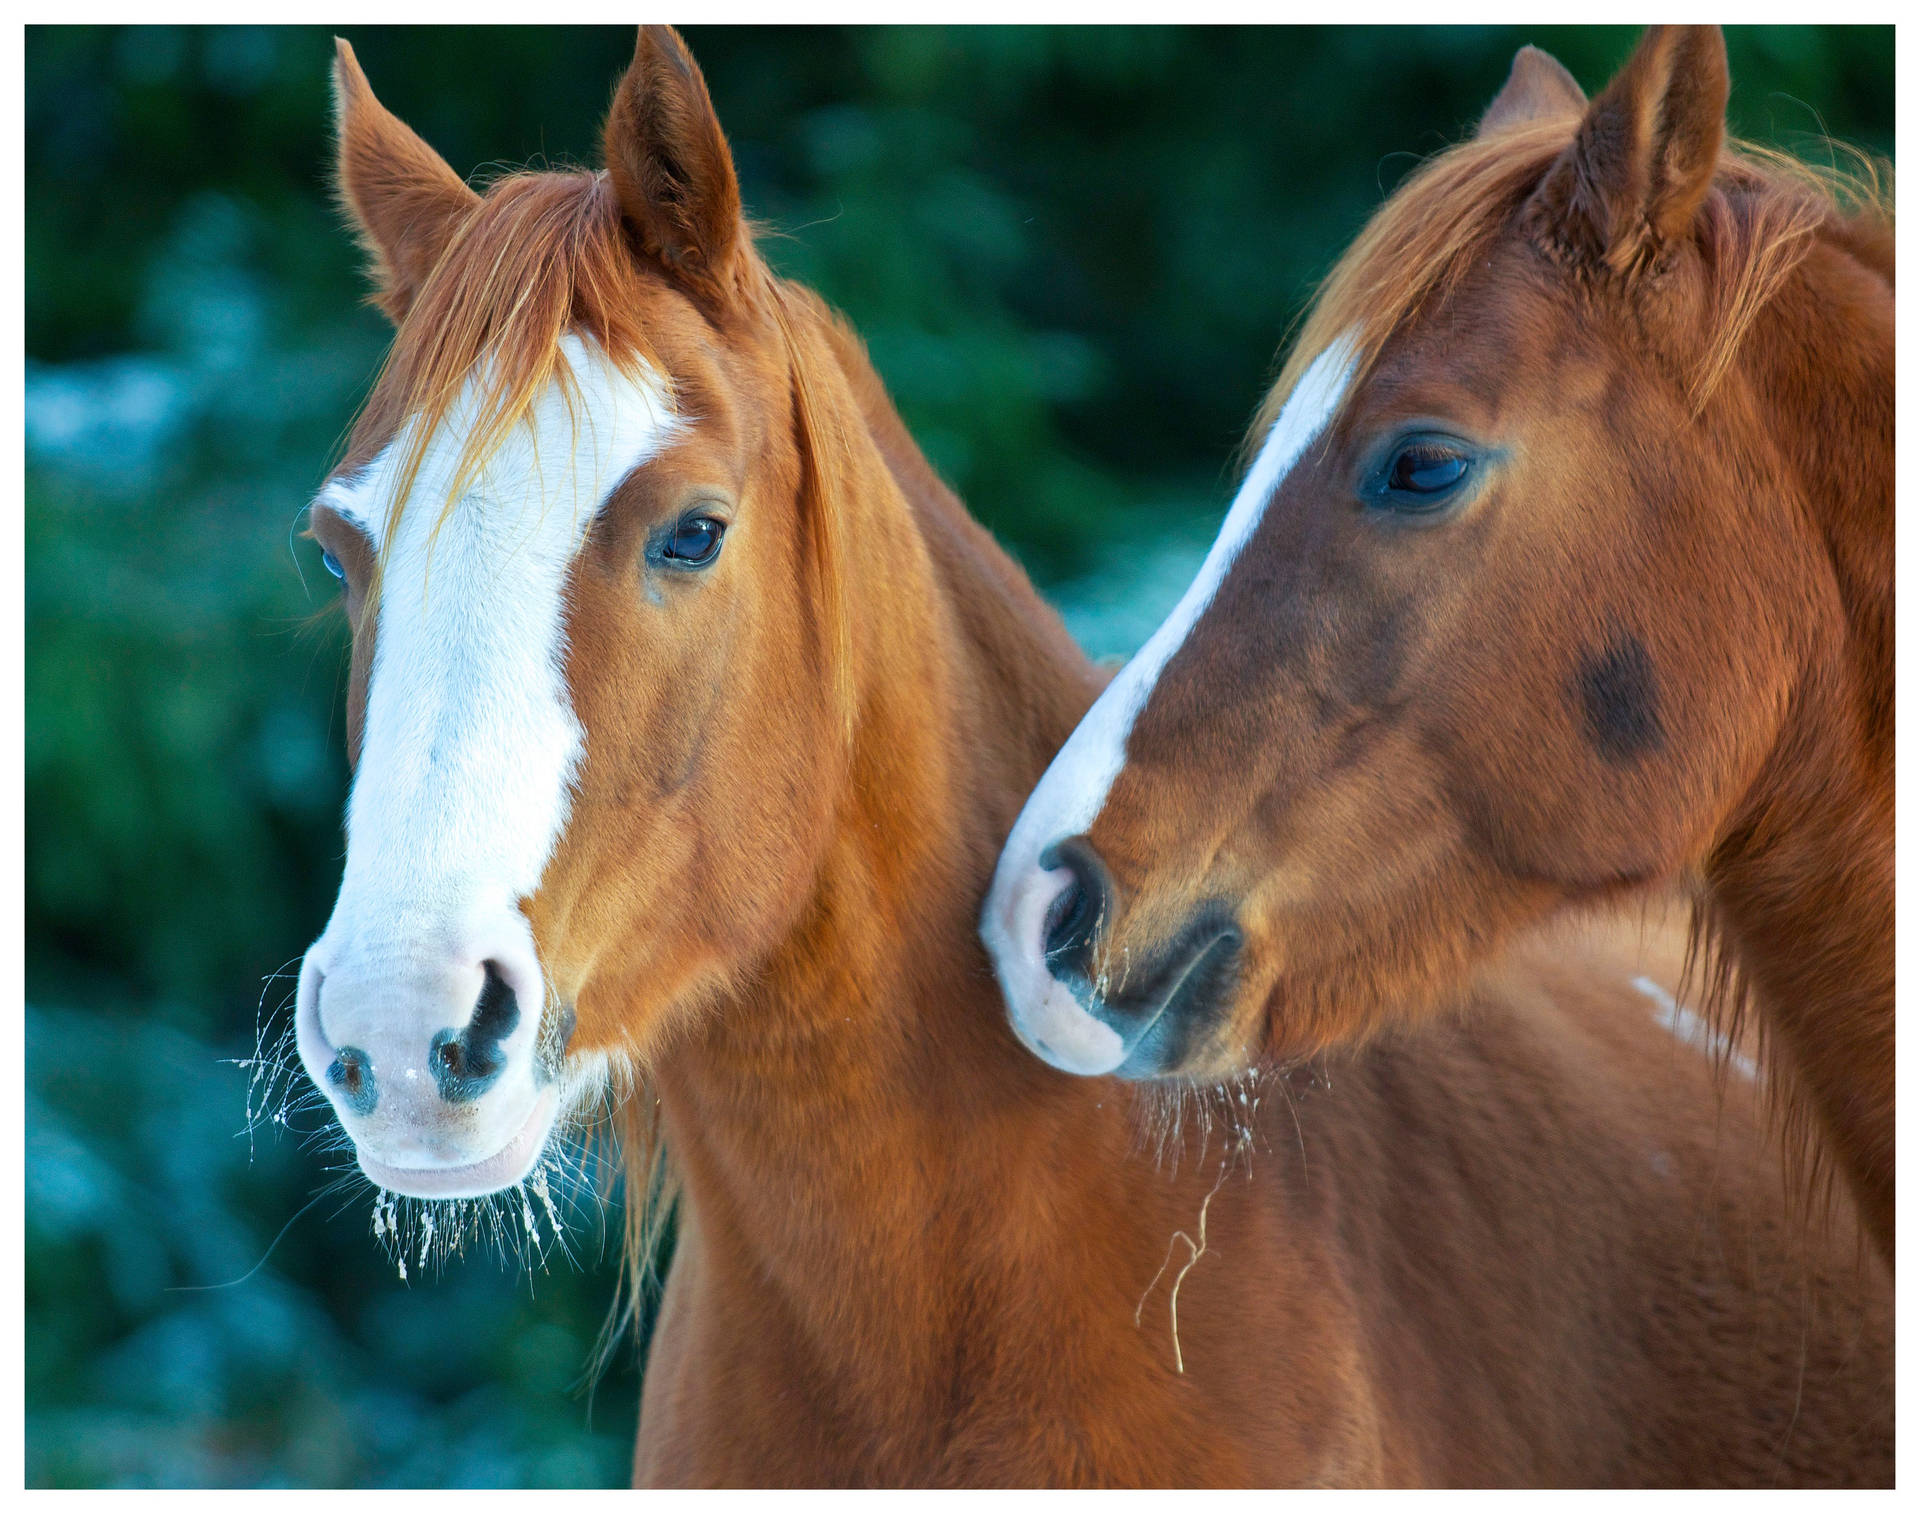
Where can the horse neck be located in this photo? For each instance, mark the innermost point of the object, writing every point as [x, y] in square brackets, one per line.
[1019, 668]
[856, 1129]
[1801, 882]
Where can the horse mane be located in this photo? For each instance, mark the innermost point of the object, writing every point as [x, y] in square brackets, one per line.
[1759, 220]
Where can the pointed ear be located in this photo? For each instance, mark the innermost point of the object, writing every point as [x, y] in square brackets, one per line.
[1640, 165]
[1538, 87]
[671, 168]
[404, 202]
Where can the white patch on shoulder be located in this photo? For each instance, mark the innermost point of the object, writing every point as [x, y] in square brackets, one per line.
[471, 744]
[1687, 1027]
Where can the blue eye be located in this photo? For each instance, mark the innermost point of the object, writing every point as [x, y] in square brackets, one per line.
[695, 541]
[1422, 474]
[332, 565]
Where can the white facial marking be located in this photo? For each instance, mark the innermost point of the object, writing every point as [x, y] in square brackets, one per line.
[470, 744]
[1687, 1027]
[470, 740]
[1074, 788]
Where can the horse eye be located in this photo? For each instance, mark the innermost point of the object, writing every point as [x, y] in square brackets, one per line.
[1426, 468]
[1422, 476]
[332, 565]
[695, 541]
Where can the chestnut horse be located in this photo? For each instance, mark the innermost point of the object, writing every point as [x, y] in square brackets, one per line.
[1564, 572]
[689, 711]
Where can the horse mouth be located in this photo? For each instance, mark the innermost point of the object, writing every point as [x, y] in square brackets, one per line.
[1190, 1007]
[472, 1180]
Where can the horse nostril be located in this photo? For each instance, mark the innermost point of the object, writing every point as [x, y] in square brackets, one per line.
[352, 1073]
[1075, 917]
[466, 1063]
[1067, 918]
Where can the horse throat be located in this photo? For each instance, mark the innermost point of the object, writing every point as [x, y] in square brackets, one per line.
[855, 1132]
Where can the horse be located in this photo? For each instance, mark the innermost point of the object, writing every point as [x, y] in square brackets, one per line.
[688, 712]
[1562, 575]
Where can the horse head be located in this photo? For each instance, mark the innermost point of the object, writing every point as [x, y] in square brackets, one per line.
[597, 630]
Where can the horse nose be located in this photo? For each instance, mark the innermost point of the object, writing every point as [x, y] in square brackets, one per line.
[377, 1037]
[467, 1062]
[438, 1059]
[1078, 910]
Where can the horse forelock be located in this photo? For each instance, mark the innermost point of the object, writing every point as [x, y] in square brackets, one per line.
[542, 256]
[1760, 219]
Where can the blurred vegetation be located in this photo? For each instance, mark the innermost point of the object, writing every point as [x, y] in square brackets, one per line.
[1073, 253]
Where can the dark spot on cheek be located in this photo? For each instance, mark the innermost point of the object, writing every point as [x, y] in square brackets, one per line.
[1619, 698]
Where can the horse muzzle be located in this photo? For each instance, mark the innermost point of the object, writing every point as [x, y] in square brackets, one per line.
[434, 1062]
[1088, 1003]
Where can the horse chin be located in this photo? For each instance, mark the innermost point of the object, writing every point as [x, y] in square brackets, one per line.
[1072, 1029]
[1200, 1042]
[506, 1168]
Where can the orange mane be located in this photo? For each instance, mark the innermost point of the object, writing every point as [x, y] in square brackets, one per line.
[1758, 221]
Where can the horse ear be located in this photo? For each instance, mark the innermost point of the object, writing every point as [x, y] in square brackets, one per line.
[1638, 168]
[405, 203]
[671, 168]
[1538, 87]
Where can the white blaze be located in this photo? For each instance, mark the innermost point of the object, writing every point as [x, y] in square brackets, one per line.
[468, 754]
[1074, 788]
[470, 742]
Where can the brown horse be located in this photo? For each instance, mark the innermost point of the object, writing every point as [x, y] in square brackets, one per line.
[1564, 572]
[689, 711]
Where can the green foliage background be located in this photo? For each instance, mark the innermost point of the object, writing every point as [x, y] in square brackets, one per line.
[1074, 253]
